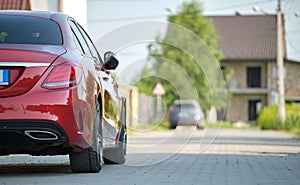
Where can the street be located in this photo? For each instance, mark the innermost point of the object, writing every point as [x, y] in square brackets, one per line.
[184, 156]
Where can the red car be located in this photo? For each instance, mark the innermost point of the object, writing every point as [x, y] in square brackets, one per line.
[57, 96]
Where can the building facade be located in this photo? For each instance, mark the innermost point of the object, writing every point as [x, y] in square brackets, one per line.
[249, 46]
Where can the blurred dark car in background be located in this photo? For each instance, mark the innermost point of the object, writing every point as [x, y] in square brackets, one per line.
[186, 112]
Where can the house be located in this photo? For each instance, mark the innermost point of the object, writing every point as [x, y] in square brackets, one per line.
[15, 5]
[249, 45]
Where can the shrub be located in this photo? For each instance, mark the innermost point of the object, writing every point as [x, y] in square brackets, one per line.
[268, 118]
[292, 117]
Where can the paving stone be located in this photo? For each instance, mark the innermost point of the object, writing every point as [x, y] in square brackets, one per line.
[234, 157]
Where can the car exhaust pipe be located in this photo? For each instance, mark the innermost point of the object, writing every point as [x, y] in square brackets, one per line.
[41, 135]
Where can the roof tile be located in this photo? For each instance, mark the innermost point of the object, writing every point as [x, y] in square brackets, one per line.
[252, 37]
[14, 4]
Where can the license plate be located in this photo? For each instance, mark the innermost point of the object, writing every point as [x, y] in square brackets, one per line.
[4, 77]
[183, 115]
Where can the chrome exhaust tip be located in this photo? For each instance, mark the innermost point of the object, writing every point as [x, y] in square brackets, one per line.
[41, 135]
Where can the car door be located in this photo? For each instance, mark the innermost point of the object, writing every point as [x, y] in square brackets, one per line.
[111, 102]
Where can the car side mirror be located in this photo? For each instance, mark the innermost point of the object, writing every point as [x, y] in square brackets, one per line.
[110, 61]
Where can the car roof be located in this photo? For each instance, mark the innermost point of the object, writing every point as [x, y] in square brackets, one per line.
[176, 102]
[42, 14]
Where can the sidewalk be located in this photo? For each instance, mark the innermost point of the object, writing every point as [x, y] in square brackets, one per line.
[181, 157]
[235, 157]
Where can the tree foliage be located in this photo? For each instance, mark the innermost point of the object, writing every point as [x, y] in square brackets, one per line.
[189, 16]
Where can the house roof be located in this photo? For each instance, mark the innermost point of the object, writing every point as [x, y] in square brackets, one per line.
[14, 5]
[251, 37]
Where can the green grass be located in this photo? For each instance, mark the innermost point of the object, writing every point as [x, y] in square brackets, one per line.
[219, 124]
[154, 127]
[164, 126]
[160, 125]
[296, 131]
[229, 125]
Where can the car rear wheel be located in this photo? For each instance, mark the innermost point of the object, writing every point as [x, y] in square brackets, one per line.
[172, 126]
[90, 160]
[200, 125]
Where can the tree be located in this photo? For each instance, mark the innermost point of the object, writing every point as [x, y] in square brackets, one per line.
[187, 77]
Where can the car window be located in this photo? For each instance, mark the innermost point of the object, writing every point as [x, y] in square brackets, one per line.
[79, 46]
[29, 30]
[90, 43]
[185, 106]
[81, 40]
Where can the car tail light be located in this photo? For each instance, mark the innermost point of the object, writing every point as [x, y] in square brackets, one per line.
[196, 111]
[63, 76]
[172, 110]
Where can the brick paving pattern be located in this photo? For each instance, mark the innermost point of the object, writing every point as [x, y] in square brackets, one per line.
[234, 157]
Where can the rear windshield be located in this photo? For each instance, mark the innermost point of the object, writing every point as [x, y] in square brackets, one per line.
[29, 30]
[185, 106]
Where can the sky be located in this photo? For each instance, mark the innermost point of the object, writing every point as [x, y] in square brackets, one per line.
[106, 16]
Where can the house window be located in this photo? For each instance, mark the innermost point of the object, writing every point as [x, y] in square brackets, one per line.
[253, 76]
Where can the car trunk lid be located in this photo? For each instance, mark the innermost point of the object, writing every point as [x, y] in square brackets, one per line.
[21, 66]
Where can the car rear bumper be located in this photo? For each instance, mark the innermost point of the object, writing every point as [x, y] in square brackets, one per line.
[32, 137]
[185, 121]
[59, 115]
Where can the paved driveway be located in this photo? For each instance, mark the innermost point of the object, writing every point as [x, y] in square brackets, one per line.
[184, 156]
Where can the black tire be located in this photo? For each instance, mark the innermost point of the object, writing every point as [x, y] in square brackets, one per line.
[172, 127]
[116, 155]
[90, 160]
[200, 126]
